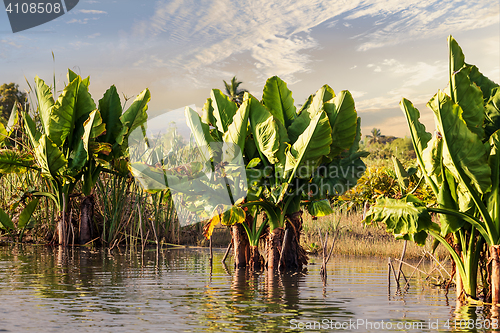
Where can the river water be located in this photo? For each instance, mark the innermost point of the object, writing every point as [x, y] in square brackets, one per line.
[45, 289]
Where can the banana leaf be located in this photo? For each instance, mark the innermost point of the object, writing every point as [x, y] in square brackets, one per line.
[309, 149]
[343, 119]
[470, 99]
[45, 102]
[15, 161]
[463, 152]
[277, 98]
[407, 218]
[223, 109]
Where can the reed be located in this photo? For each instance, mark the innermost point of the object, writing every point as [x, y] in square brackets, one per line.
[357, 239]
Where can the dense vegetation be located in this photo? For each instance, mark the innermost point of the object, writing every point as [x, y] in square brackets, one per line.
[76, 171]
[460, 162]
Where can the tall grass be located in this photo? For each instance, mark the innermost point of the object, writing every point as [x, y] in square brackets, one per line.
[358, 239]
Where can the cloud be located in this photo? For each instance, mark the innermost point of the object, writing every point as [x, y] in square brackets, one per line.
[78, 45]
[11, 43]
[91, 11]
[416, 74]
[84, 21]
[275, 37]
[97, 34]
[357, 94]
[404, 20]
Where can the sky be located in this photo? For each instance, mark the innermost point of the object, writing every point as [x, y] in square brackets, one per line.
[379, 50]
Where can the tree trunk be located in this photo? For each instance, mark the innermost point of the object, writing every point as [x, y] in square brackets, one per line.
[86, 219]
[273, 247]
[256, 261]
[495, 274]
[63, 229]
[241, 245]
[63, 224]
[294, 257]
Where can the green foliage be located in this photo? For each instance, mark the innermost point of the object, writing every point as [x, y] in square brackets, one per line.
[9, 96]
[461, 165]
[405, 219]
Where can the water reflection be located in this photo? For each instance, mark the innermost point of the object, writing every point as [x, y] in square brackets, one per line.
[125, 290]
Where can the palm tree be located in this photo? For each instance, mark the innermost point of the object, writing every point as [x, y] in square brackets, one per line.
[235, 94]
[376, 135]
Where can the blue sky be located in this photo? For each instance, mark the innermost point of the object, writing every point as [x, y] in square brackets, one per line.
[380, 50]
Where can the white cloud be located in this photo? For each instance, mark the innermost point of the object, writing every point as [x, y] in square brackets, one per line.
[415, 74]
[91, 11]
[11, 43]
[84, 21]
[407, 20]
[78, 45]
[357, 94]
[277, 34]
[97, 34]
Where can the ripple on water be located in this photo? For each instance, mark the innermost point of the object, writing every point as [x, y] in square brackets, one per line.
[95, 291]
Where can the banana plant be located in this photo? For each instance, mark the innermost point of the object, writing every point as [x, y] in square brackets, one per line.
[67, 144]
[461, 164]
[301, 156]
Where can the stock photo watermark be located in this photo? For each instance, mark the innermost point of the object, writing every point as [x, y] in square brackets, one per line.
[26, 14]
[384, 326]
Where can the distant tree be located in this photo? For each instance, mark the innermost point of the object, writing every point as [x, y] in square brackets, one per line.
[235, 94]
[376, 135]
[9, 94]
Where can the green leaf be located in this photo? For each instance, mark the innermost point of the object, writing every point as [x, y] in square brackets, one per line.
[45, 102]
[224, 215]
[343, 119]
[15, 161]
[63, 116]
[80, 153]
[299, 125]
[401, 174]
[3, 134]
[253, 163]
[492, 113]
[482, 82]
[310, 147]
[419, 137]
[457, 58]
[403, 218]
[265, 130]
[493, 197]
[433, 159]
[201, 133]
[30, 128]
[26, 214]
[463, 152]
[208, 113]
[279, 101]
[224, 109]
[5, 221]
[320, 208]
[237, 130]
[470, 99]
[50, 158]
[135, 115]
[72, 75]
[111, 110]
[447, 198]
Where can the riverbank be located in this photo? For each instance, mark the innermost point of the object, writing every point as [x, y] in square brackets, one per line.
[354, 238]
